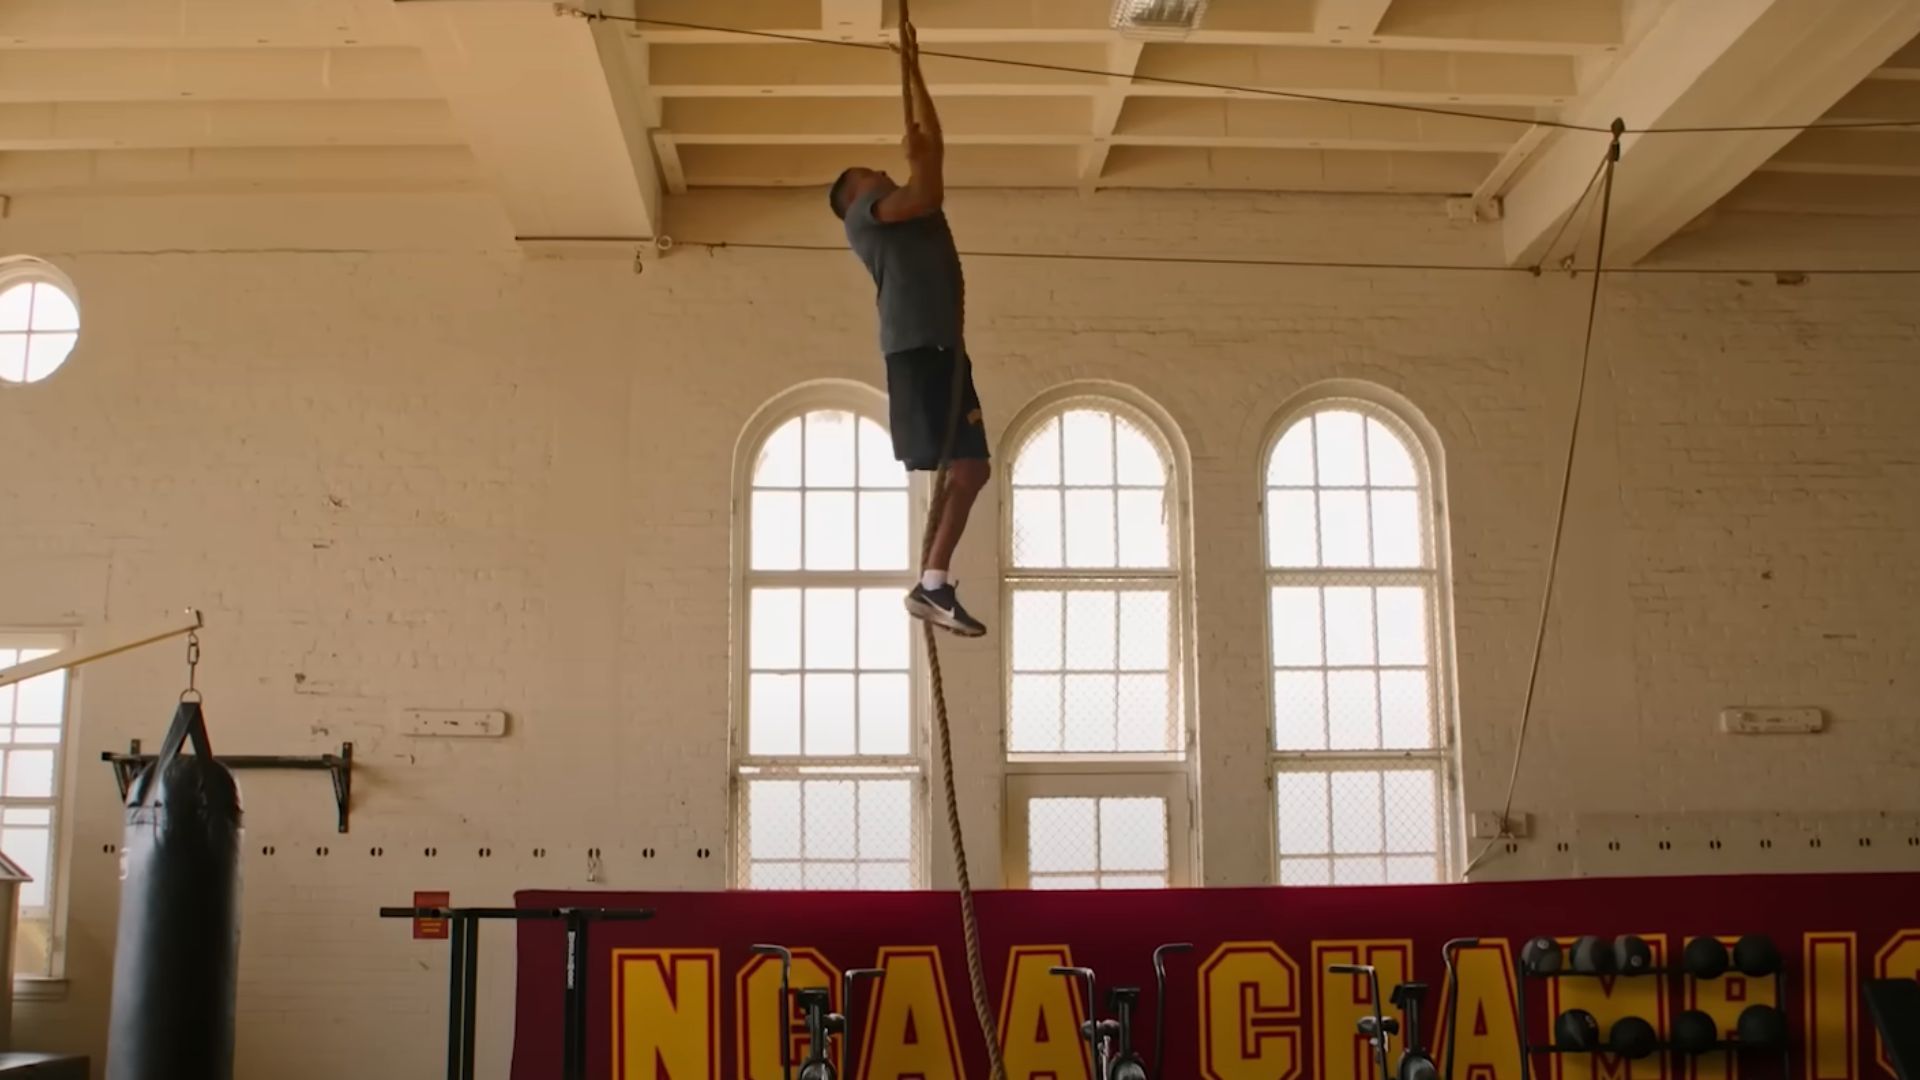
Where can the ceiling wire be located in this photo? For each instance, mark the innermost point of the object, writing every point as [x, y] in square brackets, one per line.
[1330, 264]
[1293, 95]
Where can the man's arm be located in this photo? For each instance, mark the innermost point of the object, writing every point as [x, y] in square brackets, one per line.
[925, 191]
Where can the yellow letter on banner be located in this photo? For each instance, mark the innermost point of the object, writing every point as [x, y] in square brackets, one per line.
[1343, 1053]
[1609, 999]
[1899, 958]
[910, 1027]
[666, 1007]
[1040, 1016]
[1832, 1010]
[759, 1026]
[1250, 1004]
[1488, 1031]
[1724, 999]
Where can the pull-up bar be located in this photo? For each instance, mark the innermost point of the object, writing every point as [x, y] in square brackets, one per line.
[186, 622]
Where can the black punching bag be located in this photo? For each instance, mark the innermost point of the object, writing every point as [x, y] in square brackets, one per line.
[175, 962]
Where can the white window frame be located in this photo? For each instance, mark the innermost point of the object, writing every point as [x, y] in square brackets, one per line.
[1023, 787]
[1166, 774]
[1442, 758]
[867, 403]
[26, 269]
[60, 803]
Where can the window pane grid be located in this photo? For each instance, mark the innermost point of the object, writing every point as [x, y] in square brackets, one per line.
[1090, 491]
[1092, 669]
[38, 328]
[830, 832]
[1097, 842]
[1358, 824]
[829, 663]
[32, 724]
[1354, 646]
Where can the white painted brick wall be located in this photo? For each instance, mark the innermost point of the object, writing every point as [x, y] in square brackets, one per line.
[470, 479]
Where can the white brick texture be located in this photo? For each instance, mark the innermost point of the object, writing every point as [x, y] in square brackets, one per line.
[472, 479]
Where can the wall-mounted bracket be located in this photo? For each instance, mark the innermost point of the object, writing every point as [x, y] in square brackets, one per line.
[127, 766]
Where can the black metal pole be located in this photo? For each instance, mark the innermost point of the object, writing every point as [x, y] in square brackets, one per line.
[577, 924]
[456, 988]
[473, 995]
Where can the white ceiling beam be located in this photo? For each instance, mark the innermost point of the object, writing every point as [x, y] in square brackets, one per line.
[1486, 196]
[1461, 79]
[1878, 99]
[152, 172]
[1595, 23]
[806, 166]
[1430, 78]
[291, 74]
[1295, 170]
[672, 173]
[1349, 19]
[1497, 26]
[1814, 193]
[195, 24]
[866, 120]
[851, 19]
[187, 124]
[1731, 61]
[558, 132]
[1851, 153]
[1258, 122]
[1123, 58]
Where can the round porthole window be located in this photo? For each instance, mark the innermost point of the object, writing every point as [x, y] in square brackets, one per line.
[39, 320]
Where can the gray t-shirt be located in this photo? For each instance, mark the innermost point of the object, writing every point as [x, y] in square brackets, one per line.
[917, 272]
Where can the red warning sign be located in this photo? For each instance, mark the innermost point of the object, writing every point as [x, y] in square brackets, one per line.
[430, 929]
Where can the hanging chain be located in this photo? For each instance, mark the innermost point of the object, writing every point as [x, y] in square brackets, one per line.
[193, 666]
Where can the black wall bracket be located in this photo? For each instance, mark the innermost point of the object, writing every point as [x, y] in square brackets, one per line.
[128, 765]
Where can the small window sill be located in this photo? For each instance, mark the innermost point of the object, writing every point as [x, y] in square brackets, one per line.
[32, 988]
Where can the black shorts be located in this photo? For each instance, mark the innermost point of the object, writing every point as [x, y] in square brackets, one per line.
[920, 405]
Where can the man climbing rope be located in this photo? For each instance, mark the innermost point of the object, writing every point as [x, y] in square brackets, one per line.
[901, 234]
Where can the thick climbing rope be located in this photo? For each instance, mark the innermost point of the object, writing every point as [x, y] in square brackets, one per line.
[969, 921]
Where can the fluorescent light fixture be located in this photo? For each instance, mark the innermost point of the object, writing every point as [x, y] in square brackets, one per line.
[1164, 19]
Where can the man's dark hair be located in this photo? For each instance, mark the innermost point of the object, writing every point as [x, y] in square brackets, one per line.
[834, 195]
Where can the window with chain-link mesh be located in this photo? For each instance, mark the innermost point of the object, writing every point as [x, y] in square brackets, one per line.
[1361, 781]
[1093, 574]
[829, 774]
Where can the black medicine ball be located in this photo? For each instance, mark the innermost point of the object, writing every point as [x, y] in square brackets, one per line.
[1694, 1032]
[1576, 1029]
[1762, 1025]
[1706, 958]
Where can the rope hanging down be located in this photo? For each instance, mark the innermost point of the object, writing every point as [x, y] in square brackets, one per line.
[969, 921]
[1605, 176]
[1257, 91]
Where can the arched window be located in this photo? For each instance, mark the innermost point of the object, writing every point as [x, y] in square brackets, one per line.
[828, 765]
[1095, 600]
[1359, 650]
[39, 321]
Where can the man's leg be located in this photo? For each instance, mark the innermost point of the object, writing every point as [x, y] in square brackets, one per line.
[965, 480]
[922, 389]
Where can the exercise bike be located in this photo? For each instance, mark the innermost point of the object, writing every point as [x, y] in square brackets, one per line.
[1415, 1064]
[816, 1004]
[1111, 1040]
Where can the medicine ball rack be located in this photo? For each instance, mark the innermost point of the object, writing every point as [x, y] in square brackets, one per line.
[1528, 1048]
[463, 939]
[127, 766]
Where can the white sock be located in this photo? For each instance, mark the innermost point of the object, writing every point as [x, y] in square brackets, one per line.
[932, 579]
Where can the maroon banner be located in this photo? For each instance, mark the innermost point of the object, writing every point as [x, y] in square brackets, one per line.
[684, 997]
